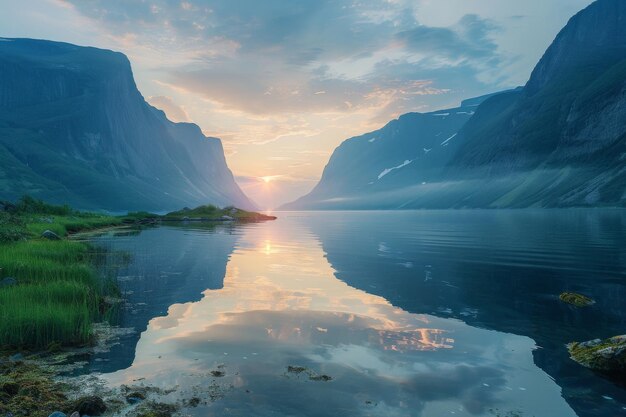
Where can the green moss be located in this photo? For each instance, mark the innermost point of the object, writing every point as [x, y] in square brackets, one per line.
[28, 390]
[155, 409]
[608, 356]
[575, 299]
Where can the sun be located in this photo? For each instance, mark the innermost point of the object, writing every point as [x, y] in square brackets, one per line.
[268, 179]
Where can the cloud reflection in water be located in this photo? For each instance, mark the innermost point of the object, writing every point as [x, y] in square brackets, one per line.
[282, 305]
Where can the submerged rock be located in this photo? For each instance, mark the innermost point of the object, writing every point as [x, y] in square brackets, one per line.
[576, 299]
[607, 356]
[50, 235]
[57, 414]
[322, 377]
[93, 406]
[296, 369]
[135, 397]
[154, 409]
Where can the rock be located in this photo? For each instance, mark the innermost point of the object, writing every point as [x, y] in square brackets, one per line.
[607, 356]
[135, 397]
[227, 218]
[218, 374]
[16, 358]
[158, 410]
[94, 406]
[193, 402]
[296, 369]
[575, 299]
[7, 206]
[57, 414]
[324, 378]
[50, 235]
[10, 388]
[75, 414]
[46, 220]
[8, 282]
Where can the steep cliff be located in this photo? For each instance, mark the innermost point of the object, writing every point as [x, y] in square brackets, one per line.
[74, 128]
[564, 135]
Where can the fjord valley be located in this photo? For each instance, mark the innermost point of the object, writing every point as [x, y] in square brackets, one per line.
[560, 141]
[465, 257]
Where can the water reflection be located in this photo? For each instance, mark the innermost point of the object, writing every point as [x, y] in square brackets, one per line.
[501, 270]
[281, 305]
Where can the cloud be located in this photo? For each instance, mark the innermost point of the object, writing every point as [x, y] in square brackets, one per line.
[173, 111]
[306, 56]
[468, 40]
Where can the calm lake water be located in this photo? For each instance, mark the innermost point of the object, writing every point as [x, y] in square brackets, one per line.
[427, 313]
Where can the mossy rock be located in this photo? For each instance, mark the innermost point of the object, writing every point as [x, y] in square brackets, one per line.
[28, 390]
[576, 299]
[155, 409]
[606, 356]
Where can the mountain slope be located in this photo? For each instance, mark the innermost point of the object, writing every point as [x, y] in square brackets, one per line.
[566, 131]
[373, 170]
[560, 141]
[74, 128]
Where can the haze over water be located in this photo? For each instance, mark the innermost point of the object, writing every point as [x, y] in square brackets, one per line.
[408, 313]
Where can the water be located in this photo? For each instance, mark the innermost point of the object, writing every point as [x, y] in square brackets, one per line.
[428, 313]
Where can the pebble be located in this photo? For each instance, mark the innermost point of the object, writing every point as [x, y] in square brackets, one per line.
[8, 282]
[50, 235]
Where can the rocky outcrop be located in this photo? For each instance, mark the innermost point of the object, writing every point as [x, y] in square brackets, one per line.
[607, 356]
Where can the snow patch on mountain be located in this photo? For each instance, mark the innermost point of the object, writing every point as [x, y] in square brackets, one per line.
[388, 170]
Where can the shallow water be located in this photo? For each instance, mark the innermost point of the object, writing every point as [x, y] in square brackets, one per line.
[427, 313]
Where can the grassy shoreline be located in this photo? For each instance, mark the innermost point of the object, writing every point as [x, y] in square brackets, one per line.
[49, 291]
[51, 296]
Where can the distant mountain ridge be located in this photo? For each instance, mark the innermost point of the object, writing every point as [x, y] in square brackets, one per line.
[410, 149]
[75, 129]
[560, 141]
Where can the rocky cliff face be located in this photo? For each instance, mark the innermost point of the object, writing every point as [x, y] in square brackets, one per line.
[595, 34]
[559, 141]
[74, 128]
[563, 137]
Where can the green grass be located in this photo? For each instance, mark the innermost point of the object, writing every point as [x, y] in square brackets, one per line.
[37, 316]
[211, 212]
[58, 294]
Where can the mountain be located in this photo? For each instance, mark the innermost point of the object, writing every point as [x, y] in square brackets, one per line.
[560, 141]
[365, 171]
[75, 129]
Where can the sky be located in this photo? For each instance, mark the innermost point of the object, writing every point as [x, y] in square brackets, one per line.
[283, 82]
